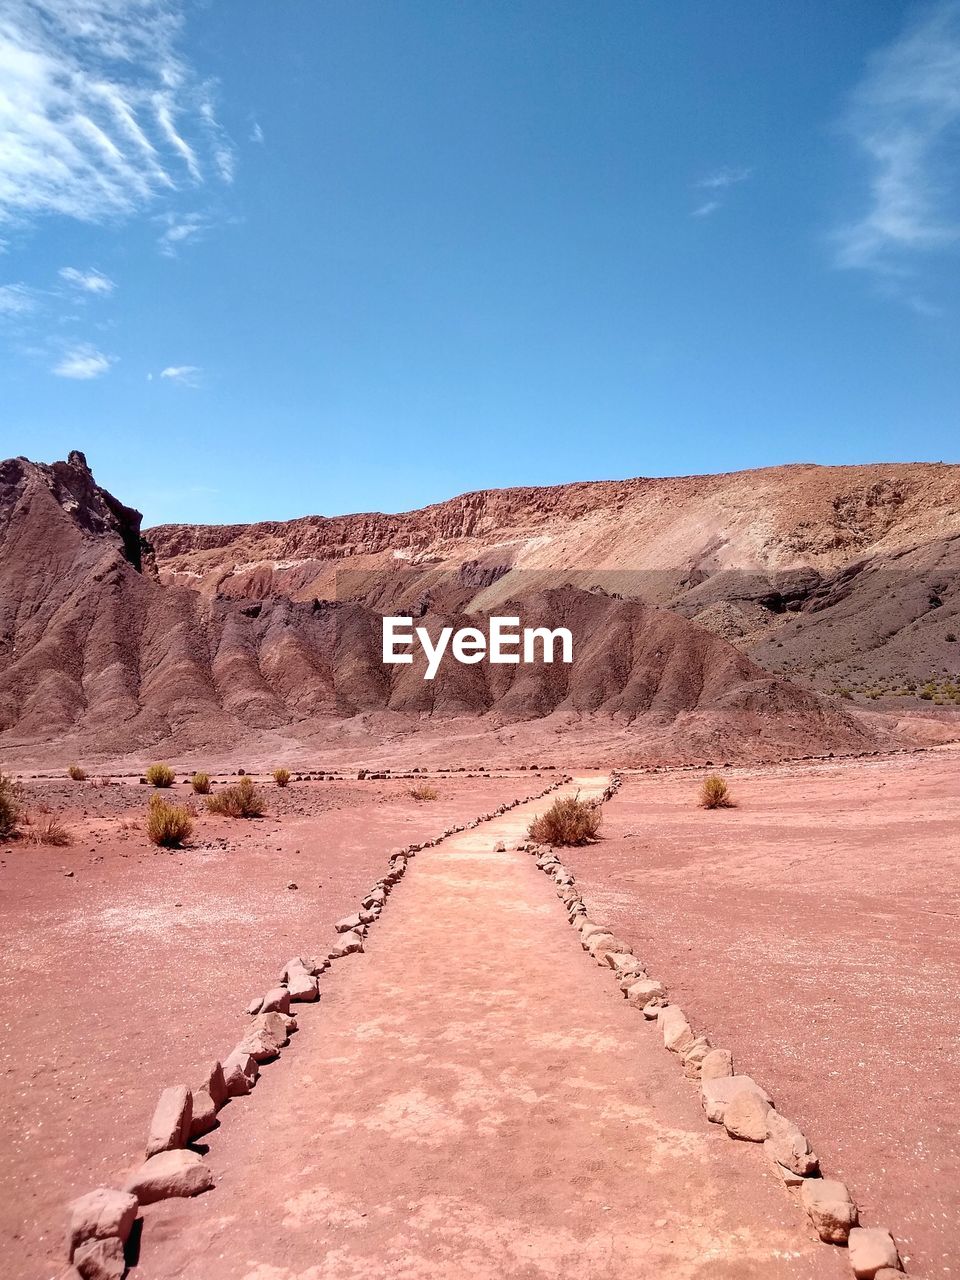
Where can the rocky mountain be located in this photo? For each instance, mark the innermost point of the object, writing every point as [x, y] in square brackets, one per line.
[100, 654]
[837, 575]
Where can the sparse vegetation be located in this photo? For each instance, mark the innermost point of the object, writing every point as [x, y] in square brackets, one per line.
[160, 775]
[281, 777]
[568, 821]
[168, 824]
[48, 830]
[715, 794]
[423, 791]
[9, 808]
[76, 773]
[201, 784]
[242, 800]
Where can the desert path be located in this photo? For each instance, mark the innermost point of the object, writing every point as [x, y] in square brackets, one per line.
[473, 1098]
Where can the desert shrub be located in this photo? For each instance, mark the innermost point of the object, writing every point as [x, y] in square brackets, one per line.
[201, 783]
[9, 808]
[48, 830]
[168, 824]
[242, 800]
[714, 793]
[281, 777]
[160, 775]
[76, 773]
[423, 791]
[951, 637]
[569, 820]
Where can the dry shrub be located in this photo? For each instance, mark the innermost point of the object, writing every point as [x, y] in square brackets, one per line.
[242, 800]
[76, 773]
[9, 808]
[569, 820]
[424, 791]
[201, 783]
[48, 830]
[168, 824]
[160, 775]
[715, 794]
[281, 777]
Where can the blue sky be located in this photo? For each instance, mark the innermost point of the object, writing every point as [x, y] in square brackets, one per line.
[264, 259]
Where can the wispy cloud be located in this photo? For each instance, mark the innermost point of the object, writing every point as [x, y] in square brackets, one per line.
[720, 178]
[716, 184]
[904, 119]
[17, 299]
[256, 133]
[83, 362]
[87, 281]
[99, 112]
[181, 230]
[184, 375]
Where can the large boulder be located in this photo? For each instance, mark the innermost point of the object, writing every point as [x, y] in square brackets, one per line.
[100, 1260]
[170, 1126]
[716, 1093]
[745, 1116]
[786, 1145]
[871, 1251]
[675, 1029]
[240, 1072]
[99, 1215]
[831, 1208]
[170, 1174]
[346, 944]
[716, 1064]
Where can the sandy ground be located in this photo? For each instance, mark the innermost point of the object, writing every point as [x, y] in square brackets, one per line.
[473, 1100]
[814, 930]
[133, 972]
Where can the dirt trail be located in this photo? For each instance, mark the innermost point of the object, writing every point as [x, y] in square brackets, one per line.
[474, 1099]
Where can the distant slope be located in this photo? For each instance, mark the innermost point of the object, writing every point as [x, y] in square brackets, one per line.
[834, 574]
[98, 655]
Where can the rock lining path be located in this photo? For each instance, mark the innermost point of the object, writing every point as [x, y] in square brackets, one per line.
[473, 1098]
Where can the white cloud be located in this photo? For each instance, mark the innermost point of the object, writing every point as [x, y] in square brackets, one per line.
[181, 230]
[88, 281]
[704, 210]
[904, 118]
[185, 375]
[726, 177]
[16, 299]
[256, 133]
[99, 113]
[83, 362]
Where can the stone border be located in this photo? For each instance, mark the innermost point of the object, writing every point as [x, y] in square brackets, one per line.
[746, 1111]
[101, 1222]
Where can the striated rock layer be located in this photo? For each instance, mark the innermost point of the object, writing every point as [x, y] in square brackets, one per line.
[835, 574]
[98, 656]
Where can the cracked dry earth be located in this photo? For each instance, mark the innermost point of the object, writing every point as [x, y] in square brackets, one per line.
[472, 1098]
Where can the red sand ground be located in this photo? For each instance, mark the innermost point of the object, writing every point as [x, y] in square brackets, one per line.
[474, 1100]
[813, 930]
[134, 972]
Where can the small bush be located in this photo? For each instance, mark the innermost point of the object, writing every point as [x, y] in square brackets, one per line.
[9, 808]
[201, 783]
[76, 773]
[168, 825]
[281, 777]
[423, 791]
[569, 820]
[160, 775]
[242, 800]
[715, 794]
[49, 831]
